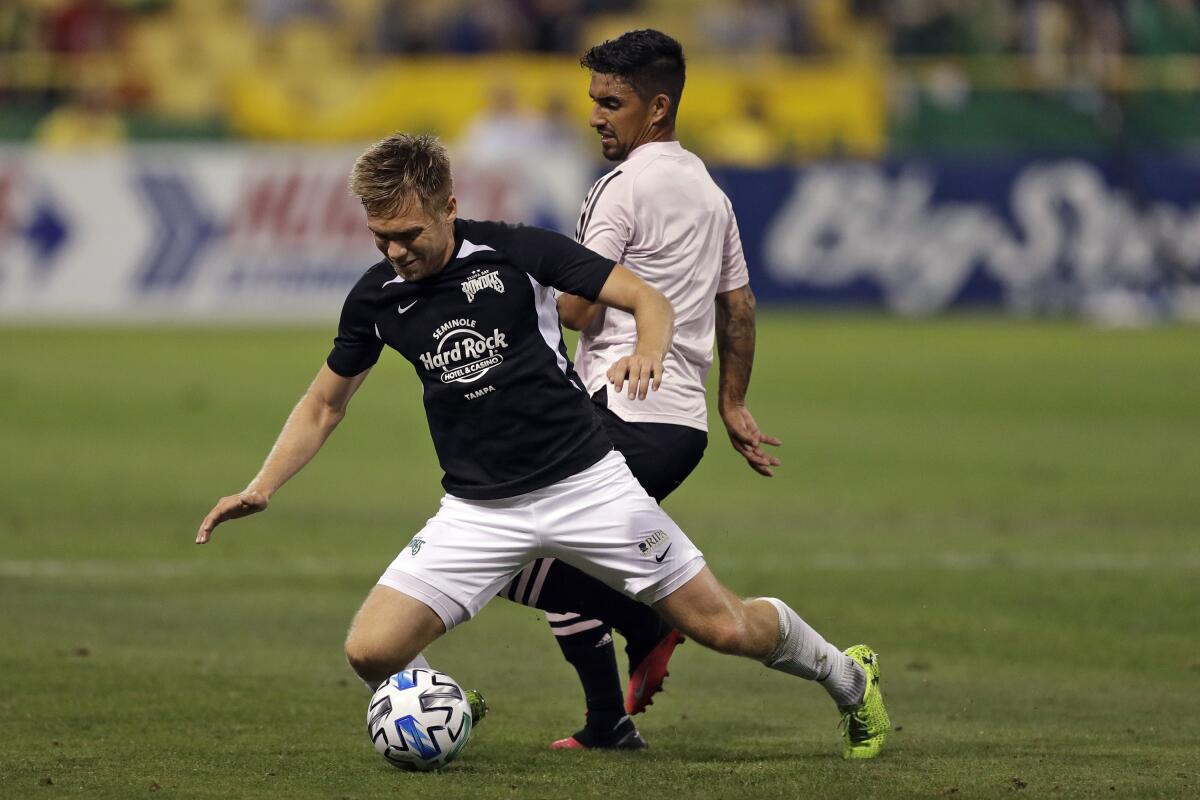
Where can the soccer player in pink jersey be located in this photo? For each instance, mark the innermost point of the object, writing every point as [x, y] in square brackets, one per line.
[659, 212]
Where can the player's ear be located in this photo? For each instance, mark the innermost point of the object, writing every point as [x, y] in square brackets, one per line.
[660, 109]
[452, 209]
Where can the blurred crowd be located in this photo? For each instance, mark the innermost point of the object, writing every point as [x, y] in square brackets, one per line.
[556, 26]
[92, 63]
[1036, 27]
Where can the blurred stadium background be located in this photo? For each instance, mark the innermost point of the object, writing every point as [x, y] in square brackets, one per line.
[1000, 496]
[188, 155]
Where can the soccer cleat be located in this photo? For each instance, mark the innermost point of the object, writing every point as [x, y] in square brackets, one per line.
[479, 706]
[623, 736]
[865, 726]
[647, 679]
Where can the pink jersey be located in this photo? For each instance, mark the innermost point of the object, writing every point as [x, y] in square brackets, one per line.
[661, 215]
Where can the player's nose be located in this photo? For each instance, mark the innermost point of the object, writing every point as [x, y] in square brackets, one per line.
[397, 251]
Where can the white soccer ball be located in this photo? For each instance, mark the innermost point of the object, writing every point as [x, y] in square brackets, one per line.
[419, 719]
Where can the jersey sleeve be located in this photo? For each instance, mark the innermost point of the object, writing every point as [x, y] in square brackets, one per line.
[734, 273]
[356, 347]
[606, 224]
[557, 261]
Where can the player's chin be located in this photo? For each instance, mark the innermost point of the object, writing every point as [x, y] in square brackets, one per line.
[410, 272]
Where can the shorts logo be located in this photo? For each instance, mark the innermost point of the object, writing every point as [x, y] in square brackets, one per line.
[481, 280]
[463, 354]
[415, 544]
[648, 544]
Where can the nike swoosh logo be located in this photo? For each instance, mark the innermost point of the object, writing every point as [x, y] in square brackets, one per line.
[663, 555]
[402, 309]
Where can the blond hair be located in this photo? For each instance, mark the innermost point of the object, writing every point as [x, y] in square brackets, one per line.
[400, 167]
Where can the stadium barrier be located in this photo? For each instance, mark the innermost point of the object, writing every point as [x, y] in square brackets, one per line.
[246, 233]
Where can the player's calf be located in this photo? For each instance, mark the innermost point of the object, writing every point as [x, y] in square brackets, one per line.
[708, 613]
[766, 629]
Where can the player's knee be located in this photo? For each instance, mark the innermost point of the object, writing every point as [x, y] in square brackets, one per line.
[371, 661]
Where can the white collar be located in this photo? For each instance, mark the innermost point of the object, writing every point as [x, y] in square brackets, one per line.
[655, 148]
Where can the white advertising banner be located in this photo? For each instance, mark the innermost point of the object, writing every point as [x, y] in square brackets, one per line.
[250, 234]
[210, 233]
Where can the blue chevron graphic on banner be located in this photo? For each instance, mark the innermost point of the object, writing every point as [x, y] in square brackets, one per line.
[185, 229]
[46, 233]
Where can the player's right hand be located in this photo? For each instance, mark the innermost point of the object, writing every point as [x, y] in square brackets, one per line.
[231, 507]
[748, 440]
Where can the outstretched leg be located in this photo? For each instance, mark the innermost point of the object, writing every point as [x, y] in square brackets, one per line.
[768, 630]
[764, 629]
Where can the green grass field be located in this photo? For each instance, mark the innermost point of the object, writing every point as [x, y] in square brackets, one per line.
[1007, 511]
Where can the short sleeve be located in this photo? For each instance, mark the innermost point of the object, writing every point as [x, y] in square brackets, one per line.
[356, 347]
[606, 223]
[554, 260]
[734, 273]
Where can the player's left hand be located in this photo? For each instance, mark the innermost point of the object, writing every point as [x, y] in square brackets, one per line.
[641, 372]
[748, 440]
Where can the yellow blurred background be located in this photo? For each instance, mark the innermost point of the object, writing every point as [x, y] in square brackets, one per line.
[768, 81]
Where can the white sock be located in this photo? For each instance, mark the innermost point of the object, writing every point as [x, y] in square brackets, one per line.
[805, 653]
[846, 682]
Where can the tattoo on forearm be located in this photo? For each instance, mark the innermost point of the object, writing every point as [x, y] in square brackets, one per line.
[735, 347]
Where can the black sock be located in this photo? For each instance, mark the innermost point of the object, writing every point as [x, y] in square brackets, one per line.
[567, 590]
[591, 653]
[638, 647]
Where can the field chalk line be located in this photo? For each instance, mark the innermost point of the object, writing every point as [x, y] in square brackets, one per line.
[324, 567]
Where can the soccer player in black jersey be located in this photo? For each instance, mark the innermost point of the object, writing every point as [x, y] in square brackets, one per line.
[529, 471]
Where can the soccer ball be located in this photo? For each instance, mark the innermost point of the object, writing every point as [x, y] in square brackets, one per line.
[419, 719]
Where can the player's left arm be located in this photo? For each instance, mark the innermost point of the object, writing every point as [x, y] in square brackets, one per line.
[655, 319]
[735, 348]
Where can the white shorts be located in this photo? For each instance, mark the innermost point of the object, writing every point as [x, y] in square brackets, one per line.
[600, 520]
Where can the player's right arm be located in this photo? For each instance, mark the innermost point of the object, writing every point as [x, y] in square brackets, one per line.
[308, 426]
[735, 348]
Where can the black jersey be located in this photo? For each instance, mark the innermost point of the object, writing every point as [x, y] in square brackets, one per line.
[506, 410]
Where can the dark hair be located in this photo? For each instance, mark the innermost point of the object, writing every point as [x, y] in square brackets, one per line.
[648, 60]
[400, 167]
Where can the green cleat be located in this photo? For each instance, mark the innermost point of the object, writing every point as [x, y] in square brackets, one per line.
[479, 706]
[865, 726]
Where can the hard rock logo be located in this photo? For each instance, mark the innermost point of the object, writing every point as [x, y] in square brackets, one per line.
[465, 355]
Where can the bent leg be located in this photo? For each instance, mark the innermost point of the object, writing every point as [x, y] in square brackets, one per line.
[389, 631]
